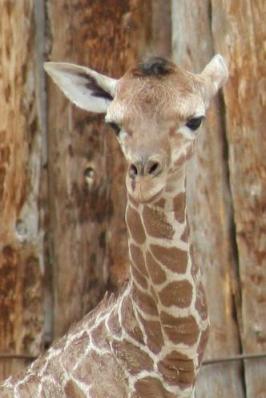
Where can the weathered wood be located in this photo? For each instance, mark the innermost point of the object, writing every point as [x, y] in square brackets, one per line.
[160, 43]
[239, 32]
[21, 235]
[209, 208]
[86, 171]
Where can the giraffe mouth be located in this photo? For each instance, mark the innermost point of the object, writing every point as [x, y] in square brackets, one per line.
[144, 191]
[151, 198]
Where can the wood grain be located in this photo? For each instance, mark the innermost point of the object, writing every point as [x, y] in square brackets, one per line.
[21, 233]
[242, 41]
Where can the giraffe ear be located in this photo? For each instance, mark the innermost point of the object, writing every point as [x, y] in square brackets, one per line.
[214, 75]
[84, 87]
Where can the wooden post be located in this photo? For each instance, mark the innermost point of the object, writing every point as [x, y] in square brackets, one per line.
[21, 161]
[239, 33]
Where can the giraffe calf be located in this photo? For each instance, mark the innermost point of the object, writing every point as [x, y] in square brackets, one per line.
[149, 340]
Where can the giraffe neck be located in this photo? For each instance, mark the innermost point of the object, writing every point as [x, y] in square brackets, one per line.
[166, 288]
[159, 247]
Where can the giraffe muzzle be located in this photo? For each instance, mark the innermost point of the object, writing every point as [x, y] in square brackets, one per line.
[146, 178]
[144, 168]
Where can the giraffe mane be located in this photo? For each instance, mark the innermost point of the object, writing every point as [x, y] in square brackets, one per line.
[154, 66]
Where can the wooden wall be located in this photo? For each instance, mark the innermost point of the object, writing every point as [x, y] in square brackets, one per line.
[62, 194]
[21, 210]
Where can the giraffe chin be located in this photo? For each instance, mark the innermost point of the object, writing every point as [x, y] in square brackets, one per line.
[146, 199]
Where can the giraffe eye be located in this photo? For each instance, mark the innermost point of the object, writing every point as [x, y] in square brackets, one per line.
[115, 127]
[194, 123]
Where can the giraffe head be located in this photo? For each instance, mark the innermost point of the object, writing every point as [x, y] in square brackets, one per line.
[155, 109]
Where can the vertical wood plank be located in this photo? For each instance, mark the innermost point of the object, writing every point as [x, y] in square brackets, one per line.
[161, 35]
[89, 245]
[240, 34]
[21, 235]
[209, 207]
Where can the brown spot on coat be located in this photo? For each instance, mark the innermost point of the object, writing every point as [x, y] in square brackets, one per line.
[177, 293]
[114, 324]
[153, 332]
[135, 226]
[179, 207]
[156, 272]
[88, 370]
[156, 223]
[180, 330]
[69, 352]
[72, 390]
[173, 258]
[144, 301]
[138, 258]
[150, 387]
[161, 203]
[129, 321]
[132, 357]
[138, 277]
[202, 343]
[201, 302]
[178, 369]
[99, 336]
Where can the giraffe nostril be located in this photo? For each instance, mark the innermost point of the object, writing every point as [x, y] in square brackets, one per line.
[133, 171]
[153, 168]
[141, 168]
